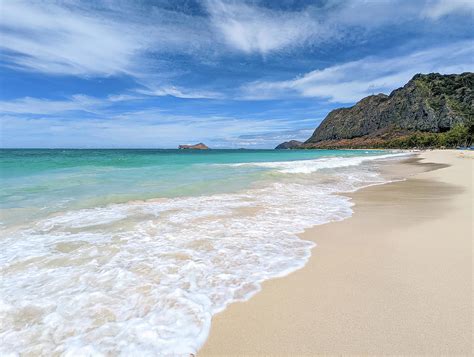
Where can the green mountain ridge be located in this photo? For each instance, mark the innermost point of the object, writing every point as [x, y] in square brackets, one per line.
[421, 113]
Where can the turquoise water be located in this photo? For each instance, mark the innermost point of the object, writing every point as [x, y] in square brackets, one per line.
[39, 182]
[131, 252]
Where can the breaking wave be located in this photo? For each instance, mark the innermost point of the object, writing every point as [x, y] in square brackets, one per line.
[145, 277]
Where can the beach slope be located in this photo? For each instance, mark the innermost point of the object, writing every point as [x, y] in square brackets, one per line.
[395, 278]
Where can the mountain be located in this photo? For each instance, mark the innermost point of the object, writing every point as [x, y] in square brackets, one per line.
[428, 103]
[199, 146]
[292, 144]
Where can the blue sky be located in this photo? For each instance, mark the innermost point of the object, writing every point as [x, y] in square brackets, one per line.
[228, 73]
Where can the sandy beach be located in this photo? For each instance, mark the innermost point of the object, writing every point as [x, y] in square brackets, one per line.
[395, 278]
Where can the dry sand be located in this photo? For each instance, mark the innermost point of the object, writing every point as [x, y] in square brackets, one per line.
[395, 278]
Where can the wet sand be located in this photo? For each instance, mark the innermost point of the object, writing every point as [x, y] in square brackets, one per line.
[395, 278]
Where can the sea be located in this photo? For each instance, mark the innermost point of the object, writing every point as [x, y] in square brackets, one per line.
[131, 252]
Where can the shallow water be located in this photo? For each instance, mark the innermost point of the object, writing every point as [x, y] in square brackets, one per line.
[107, 252]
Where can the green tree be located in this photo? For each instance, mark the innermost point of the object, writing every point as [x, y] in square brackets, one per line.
[457, 136]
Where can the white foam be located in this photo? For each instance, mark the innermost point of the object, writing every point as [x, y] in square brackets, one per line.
[145, 278]
[310, 166]
[85, 218]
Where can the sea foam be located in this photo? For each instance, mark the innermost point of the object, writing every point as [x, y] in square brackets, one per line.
[309, 166]
[144, 278]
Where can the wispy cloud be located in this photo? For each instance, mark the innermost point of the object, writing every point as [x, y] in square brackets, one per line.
[78, 102]
[76, 38]
[63, 40]
[351, 81]
[251, 28]
[180, 93]
[135, 38]
[148, 128]
[44, 106]
[116, 121]
[270, 139]
[438, 8]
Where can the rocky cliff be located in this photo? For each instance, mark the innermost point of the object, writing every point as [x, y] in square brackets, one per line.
[292, 144]
[431, 103]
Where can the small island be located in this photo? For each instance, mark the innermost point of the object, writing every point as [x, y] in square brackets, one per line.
[199, 146]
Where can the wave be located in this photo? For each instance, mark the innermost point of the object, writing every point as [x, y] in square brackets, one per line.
[145, 277]
[310, 166]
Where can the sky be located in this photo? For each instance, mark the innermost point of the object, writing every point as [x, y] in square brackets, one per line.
[231, 74]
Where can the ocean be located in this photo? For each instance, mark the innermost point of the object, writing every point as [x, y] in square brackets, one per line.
[106, 252]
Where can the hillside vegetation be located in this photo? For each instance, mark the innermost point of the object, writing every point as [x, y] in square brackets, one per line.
[431, 110]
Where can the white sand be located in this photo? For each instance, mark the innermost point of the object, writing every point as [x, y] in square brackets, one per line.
[396, 278]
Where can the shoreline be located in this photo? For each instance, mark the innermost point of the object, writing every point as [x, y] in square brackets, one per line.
[384, 281]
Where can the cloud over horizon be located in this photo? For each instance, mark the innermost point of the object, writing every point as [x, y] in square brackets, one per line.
[351, 81]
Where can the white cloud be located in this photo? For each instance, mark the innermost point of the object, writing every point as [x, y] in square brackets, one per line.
[439, 8]
[250, 28]
[180, 93]
[133, 38]
[78, 102]
[75, 38]
[30, 105]
[272, 138]
[57, 39]
[256, 29]
[352, 15]
[146, 128]
[351, 81]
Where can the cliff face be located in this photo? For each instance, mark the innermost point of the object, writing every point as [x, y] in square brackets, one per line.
[427, 103]
[292, 144]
